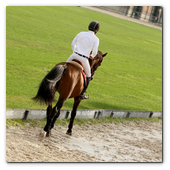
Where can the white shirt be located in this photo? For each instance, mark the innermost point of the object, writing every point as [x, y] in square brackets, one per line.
[84, 42]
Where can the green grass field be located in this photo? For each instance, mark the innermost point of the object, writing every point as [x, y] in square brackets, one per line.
[81, 122]
[37, 38]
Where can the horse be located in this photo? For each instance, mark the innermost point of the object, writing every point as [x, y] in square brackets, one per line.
[68, 81]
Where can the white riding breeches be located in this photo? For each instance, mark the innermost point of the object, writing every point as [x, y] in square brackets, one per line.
[84, 61]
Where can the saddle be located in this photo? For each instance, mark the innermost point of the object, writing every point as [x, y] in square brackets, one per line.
[79, 65]
[76, 63]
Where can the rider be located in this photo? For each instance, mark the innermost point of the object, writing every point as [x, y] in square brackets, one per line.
[82, 45]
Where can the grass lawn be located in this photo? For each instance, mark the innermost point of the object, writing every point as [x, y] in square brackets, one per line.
[81, 122]
[37, 38]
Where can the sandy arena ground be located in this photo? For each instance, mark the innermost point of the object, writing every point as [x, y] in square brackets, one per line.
[130, 142]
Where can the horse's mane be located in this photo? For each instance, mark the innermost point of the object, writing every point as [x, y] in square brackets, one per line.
[91, 62]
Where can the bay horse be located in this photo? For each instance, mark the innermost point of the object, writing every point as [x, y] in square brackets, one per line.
[68, 81]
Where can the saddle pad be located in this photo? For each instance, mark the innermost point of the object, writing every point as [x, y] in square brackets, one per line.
[76, 64]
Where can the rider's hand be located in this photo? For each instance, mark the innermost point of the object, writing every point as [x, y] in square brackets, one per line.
[91, 57]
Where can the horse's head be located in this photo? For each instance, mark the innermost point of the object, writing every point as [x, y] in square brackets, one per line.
[96, 62]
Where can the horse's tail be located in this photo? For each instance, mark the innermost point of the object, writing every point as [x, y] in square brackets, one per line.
[46, 91]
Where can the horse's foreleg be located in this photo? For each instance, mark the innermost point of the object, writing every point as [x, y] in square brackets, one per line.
[51, 118]
[77, 101]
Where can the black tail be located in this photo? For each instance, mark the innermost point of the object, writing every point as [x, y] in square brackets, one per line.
[46, 91]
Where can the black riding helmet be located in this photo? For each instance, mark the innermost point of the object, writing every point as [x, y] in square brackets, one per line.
[94, 26]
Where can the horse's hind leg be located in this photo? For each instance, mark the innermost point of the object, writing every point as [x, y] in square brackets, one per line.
[49, 110]
[51, 118]
[53, 122]
[77, 101]
[48, 113]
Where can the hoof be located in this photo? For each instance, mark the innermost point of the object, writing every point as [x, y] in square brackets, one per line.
[69, 133]
[48, 134]
[43, 134]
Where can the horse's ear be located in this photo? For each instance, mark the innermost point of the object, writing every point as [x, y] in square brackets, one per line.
[104, 55]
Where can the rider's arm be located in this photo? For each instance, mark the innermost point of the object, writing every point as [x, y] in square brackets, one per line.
[95, 48]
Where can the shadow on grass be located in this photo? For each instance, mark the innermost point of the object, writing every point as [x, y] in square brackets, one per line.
[100, 105]
[109, 106]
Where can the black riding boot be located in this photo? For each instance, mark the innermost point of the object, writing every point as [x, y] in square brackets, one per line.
[82, 96]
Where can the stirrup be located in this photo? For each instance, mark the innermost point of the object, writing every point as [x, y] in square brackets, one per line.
[82, 97]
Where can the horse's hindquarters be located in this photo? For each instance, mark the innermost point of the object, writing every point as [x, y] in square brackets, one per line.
[71, 83]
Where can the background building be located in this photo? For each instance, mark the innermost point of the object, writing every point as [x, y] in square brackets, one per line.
[146, 13]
